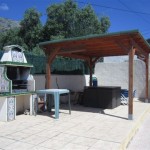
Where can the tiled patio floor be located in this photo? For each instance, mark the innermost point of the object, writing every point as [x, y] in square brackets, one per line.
[85, 129]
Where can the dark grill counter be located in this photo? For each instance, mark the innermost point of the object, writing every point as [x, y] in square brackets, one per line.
[102, 97]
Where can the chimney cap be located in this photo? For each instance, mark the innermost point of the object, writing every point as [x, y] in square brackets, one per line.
[13, 47]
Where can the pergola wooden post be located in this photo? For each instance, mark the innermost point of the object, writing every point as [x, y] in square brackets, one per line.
[91, 67]
[51, 57]
[130, 106]
[90, 82]
[147, 76]
[131, 66]
[91, 63]
[48, 75]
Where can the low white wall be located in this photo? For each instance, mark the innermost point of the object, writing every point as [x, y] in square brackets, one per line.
[72, 82]
[116, 74]
[117, 59]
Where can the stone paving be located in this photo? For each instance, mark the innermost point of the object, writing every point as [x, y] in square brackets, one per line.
[85, 129]
[141, 141]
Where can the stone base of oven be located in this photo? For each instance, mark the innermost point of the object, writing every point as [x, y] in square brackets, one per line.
[7, 108]
[12, 105]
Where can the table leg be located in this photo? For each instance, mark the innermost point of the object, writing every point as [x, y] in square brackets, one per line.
[69, 103]
[56, 102]
[45, 102]
[36, 105]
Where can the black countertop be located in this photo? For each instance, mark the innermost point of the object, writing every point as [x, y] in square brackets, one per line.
[107, 87]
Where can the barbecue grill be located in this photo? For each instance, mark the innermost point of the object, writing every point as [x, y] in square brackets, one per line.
[17, 85]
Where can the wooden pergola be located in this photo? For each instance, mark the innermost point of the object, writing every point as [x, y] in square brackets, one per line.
[90, 48]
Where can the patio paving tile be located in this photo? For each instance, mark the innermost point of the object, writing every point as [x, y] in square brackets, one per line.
[72, 146]
[64, 137]
[86, 128]
[39, 148]
[17, 136]
[30, 131]
[53, 144]
[105, 145]
[5, 142]
[76, 132]
[48, 133]
[84, 141]
[18, 145]
[34, 139]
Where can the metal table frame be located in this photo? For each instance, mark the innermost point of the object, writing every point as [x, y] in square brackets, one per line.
[56, 93]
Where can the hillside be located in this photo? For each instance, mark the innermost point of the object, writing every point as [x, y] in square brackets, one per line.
[6, 24]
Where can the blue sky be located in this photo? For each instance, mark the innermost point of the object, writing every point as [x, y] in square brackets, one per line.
[123, 14]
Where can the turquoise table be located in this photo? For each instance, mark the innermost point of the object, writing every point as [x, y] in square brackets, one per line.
[56, 93]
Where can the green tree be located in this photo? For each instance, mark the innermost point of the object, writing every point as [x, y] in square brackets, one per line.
[54, 24]
[87, 22]
[38, 51]
[105, 24]
[11, 37]
[68, 20]
[31, 27]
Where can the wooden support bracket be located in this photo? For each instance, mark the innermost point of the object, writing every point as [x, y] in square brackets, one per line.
[138, 48]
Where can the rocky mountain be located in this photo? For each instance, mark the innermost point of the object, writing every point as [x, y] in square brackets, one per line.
[6, 24]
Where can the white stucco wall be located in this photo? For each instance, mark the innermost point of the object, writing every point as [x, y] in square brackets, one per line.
[72, 82]
[108, 74]
[116, 74]
[112, 59]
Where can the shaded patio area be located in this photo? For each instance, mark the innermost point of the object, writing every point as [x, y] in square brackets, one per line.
[86, 129]
[92, 47]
